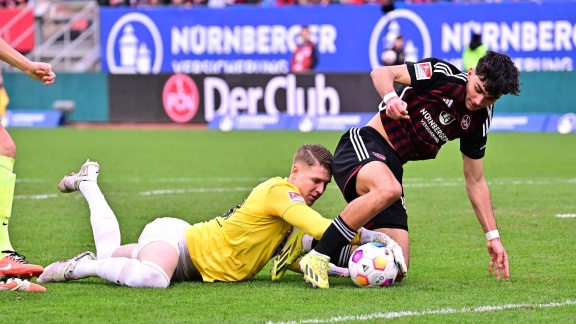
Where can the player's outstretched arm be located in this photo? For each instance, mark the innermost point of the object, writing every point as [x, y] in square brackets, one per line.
[36, 70]
[479, 195]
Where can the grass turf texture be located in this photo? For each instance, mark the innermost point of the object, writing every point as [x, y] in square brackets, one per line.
[196, 175]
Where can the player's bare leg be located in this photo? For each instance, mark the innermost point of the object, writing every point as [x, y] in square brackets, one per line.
[377, 189]
[12, 264]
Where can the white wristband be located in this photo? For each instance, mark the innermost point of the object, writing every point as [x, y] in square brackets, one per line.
[492, 235]
[389, 96]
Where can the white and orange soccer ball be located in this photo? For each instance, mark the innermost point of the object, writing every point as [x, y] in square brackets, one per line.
[372, 265]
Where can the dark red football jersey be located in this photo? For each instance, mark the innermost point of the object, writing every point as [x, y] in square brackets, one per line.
[438, 114]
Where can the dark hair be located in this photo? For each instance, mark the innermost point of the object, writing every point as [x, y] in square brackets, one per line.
[314, 153]
[499, 73]
[476, 41]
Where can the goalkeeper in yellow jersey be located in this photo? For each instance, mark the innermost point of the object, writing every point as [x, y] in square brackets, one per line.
[232, 247]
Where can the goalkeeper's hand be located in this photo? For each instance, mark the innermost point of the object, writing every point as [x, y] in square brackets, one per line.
[368, 236]
[399, 257]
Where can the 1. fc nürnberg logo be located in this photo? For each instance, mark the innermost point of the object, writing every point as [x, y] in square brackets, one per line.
[465, 122]
[180, 98]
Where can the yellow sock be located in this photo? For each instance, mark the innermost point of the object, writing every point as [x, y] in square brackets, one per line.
[7, 182]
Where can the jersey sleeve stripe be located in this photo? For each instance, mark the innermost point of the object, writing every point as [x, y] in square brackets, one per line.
[486, 126]
[445, 69]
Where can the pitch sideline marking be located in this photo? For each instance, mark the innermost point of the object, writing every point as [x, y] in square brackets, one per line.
[566, 215]
[408, 182]
[192, 190]
[442, 311]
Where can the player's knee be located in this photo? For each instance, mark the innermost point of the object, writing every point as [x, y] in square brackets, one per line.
[149, 275]
[386, 195]
[8, 148]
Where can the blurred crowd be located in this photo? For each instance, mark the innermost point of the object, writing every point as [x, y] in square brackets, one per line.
[13, 4]
[135, 3]
[232, 2]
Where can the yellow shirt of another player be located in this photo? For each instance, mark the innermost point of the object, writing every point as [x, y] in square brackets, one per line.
[237, 245]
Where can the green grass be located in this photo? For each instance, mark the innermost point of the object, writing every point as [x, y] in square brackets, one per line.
[532, 178]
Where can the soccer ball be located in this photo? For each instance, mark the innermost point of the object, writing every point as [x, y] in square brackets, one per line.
[372, 265]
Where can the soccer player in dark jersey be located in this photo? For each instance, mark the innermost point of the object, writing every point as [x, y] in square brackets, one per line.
[438, 104]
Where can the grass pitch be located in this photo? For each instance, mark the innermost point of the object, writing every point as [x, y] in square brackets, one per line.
[196, 175]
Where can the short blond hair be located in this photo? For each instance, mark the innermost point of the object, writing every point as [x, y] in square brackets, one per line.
[314, 153]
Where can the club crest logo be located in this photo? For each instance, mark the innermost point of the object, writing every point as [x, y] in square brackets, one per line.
[180, 98]
[134, 46]
[465, 122]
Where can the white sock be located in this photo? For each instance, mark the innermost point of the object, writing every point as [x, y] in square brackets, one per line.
[124, 271]
[104, 223]
[314, 253]
[307, 242]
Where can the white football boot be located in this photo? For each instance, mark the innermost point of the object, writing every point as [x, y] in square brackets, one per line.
[88, 172]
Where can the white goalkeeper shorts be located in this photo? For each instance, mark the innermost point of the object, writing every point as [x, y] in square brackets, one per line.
[169, 230]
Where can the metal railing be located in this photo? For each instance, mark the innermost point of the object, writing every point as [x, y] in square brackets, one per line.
[68, 53]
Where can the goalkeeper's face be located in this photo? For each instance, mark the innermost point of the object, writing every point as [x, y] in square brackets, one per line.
[310, 180]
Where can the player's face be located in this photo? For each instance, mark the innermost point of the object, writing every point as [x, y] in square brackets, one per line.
[476, 95]
[311, 181]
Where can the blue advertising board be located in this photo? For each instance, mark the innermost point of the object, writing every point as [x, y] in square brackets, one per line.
[251, 39]
[304, 124]
[502, 122]
[33, 118]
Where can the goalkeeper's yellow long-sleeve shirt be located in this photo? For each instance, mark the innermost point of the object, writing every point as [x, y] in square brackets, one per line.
[237, 245]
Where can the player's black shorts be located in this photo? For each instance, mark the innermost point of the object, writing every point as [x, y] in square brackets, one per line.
[357, 147]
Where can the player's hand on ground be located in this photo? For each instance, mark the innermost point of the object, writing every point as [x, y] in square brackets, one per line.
[396, 108]
[498, 259]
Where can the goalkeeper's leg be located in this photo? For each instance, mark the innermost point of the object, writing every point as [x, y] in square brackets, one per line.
[105, 227]
[153, 269]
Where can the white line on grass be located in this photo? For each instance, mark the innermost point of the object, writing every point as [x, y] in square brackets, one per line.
[170, 180]
[36, 197]
[566, 215]
[192, 190]
[442, 311]
[408, 182]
